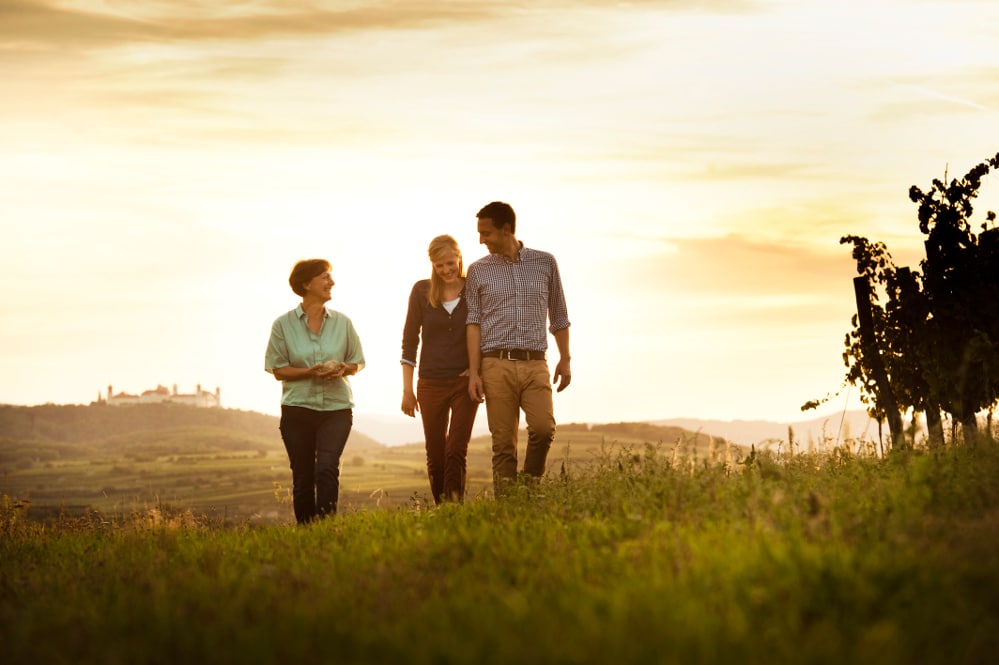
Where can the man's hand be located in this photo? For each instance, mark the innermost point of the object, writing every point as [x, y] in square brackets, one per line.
[562, 376]
[475, 390]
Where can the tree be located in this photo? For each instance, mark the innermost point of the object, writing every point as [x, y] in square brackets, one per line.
[878, 338]
[961, 286]
[934, 345]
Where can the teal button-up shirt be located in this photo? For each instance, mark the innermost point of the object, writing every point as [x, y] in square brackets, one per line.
[293, 344]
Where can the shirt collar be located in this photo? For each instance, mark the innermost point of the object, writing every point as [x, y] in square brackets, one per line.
[300, 312]
[517, 258]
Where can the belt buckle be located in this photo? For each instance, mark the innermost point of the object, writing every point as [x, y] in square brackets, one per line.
[507, 354]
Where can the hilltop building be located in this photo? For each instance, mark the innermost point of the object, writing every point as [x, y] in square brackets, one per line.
[162, 394]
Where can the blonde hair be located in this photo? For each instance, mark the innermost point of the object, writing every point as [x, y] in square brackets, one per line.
[438, 246]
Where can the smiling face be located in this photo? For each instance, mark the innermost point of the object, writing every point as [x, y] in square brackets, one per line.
[496, 240]
[447, 266]
[320, 287]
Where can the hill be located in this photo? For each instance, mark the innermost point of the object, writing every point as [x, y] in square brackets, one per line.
[231, 465]
[232, 429]
[393, 429]
[94, 423]
[854, 424]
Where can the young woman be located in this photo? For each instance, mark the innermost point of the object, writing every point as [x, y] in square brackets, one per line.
[312, 350]
[436, 316]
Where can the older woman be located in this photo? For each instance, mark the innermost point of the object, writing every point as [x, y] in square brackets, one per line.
[312, 350]
[437, 314]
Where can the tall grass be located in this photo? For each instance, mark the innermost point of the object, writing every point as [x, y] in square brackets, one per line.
[643, 556]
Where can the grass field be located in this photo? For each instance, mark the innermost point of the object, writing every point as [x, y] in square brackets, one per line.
[643, 555]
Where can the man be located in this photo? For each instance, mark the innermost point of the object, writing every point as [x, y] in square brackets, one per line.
[511, 294]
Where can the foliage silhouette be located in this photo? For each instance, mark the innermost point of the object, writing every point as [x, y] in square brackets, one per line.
[933, 345]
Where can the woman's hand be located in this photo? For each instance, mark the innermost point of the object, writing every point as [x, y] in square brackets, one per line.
[322, 371]
[333, 370]
[409, 404]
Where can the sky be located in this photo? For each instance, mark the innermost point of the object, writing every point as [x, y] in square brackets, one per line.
[692, 166]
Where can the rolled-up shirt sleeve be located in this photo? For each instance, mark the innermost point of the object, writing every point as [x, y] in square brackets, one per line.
[473, 297]
[558, 312]
[276, 355]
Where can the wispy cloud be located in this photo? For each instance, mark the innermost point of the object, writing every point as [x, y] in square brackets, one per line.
[786, 171]
[92, 24]
[51, 24]
[745, 265]
[951, 99]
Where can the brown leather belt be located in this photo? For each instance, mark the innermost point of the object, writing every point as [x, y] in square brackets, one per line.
[514, 354]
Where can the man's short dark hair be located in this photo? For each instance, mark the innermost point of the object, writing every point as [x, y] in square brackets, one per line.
[501, 214]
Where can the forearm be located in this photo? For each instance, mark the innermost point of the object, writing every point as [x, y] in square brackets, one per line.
[410, 404]
[473, 334]
[289, 373]
[320, 371]
[407, 379]
[473, 338]
[563, 375]
[562, 341]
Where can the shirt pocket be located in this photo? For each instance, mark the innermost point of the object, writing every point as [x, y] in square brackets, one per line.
[535, 297]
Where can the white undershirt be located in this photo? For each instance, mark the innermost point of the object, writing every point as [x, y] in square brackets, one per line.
[449, 305]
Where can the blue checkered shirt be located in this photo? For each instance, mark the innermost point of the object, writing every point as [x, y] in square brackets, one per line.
[511, 301]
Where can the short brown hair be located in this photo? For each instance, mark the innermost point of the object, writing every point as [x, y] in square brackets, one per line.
[304, 272]
[500, 213]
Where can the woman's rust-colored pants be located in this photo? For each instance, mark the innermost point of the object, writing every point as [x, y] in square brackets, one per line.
[448, 414]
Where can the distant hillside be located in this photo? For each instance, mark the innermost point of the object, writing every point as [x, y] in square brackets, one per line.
[73, 423]
[231, 465]
[636, 433]
[139, 425]
[849, 425]
[394, 429]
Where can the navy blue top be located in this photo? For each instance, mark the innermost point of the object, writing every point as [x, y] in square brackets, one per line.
[444, 354]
